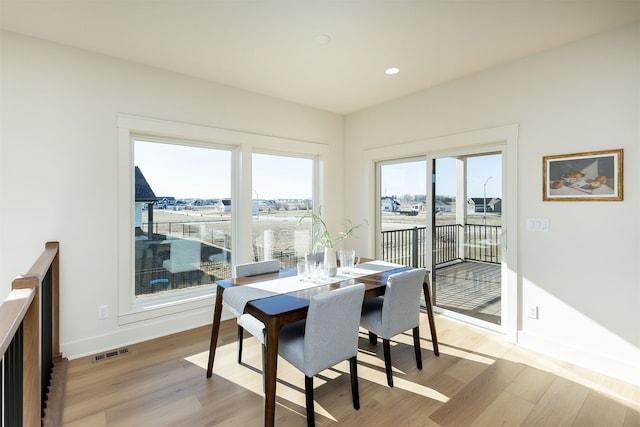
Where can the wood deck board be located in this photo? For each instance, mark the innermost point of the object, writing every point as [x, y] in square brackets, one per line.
[471, 288]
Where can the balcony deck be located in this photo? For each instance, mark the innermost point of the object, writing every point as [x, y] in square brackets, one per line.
[471, 288]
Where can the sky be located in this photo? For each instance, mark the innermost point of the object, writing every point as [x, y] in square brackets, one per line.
[278, 177]
[184, 172]
[188, 172]
[399, 179]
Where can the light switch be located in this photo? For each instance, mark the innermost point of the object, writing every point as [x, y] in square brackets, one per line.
[537, 224]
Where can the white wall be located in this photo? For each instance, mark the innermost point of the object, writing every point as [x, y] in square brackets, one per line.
[59, 165]
[583, 274]
[58, 176]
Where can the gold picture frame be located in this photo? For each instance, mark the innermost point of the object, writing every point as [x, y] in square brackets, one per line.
[590, 176]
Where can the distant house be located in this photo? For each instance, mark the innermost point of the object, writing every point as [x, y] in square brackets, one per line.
[293, 204]
[144, 198]
[477, 204]
[389, 204]
[167, 202]
[224, 205]
[419, 206]
[218, 206]
[443, 206]
[267, 205]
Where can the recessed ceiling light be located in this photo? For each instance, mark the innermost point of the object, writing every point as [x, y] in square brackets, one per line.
[322, 39]
[391, 71]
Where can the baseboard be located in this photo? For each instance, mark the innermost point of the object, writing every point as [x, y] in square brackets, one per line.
[606, 364]
[138, 332]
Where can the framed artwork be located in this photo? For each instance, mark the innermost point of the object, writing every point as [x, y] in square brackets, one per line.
[592, 176]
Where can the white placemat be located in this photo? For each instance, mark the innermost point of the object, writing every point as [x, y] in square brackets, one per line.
[374, 267]
[238, 296]
[284, 285]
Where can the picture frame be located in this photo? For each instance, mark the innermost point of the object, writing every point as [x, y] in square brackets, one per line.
[589, 176]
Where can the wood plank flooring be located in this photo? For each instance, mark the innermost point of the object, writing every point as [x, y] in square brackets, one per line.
[478, 380]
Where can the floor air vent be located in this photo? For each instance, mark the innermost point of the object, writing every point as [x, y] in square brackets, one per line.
[110, 354]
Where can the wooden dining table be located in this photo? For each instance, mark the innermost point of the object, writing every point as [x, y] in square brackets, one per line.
[280, 309]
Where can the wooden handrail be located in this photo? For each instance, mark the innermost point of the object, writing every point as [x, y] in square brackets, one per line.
[24, 306]
[48, 259]
[12, 312]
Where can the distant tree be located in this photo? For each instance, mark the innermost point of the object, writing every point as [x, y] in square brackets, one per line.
[406, 198]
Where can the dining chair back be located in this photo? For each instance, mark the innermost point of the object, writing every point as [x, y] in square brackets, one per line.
[326, 337]
[184, 255]
[247, 321]
[315, 257]
[256, 268]
[397, 311]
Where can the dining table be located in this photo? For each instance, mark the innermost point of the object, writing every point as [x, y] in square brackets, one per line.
[283, 297]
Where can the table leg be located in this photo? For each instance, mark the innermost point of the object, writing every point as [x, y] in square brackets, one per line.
[215, 329]
[271, 366]
[432, 324]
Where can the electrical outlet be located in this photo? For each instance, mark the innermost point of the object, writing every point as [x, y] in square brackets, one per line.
[103, 312]
[532, 311]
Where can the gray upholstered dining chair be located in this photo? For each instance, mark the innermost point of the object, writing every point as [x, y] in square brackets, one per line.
[314, 257]
[397, 311]
[247, 321]
[328, 336]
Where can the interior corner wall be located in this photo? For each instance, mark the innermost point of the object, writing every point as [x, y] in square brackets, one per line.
[583, 274]
[59, 163]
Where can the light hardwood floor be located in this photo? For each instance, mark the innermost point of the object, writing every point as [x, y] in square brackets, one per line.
[478, 380]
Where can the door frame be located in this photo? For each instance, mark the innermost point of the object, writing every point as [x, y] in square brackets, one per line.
[506, 136]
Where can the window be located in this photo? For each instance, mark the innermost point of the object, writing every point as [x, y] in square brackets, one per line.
[182, 226]
[197, 204]
[278, 203]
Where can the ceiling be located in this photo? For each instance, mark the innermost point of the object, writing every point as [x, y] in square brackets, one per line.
[326, 54]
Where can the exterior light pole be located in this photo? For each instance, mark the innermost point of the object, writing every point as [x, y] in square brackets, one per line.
[484, 210]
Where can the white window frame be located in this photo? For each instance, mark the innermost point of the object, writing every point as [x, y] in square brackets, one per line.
[242, 145]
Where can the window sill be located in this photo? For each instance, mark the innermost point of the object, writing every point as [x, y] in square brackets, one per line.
[153, 308]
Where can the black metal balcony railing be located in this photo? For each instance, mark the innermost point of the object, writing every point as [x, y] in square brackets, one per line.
[452, 242]
[30, 357]
[408, 246]
[482, 243]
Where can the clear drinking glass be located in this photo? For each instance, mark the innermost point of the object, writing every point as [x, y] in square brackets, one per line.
[347, 259]
[316, 271]
[302, 270]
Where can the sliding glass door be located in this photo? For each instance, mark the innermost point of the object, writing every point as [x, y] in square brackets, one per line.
[466, 239]
[452, 226]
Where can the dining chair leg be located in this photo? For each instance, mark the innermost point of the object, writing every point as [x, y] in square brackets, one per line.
[355, 393]
[308, 391]
[386, 346]
[264, 365]
[416, 346]
[240, 336]
[373, 338]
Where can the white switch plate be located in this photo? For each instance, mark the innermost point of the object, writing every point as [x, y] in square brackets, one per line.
[103, 312]
[532, 311]
[538, 224]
